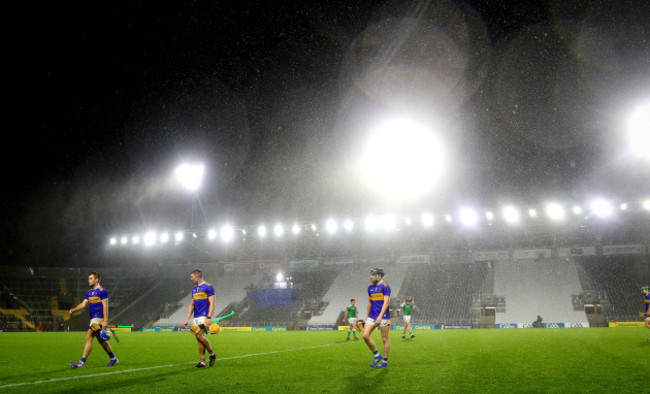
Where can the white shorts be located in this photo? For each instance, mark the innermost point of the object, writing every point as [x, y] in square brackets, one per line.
[407, 319]
[95, 320]
[372, 322]
[352, 320]
[199, 321]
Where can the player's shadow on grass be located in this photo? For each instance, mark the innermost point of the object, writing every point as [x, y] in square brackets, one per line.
[124, 383]
[359, 382]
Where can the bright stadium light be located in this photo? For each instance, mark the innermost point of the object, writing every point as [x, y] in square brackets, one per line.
[601, 208]
[468, 217]
[646, 205]
[227, 233]
[314, 228]
[555, 211]
[511, 214]
[623, 206]
[348, 225]
[448, 218]
[532, 213]
[388, 222]
[124, 240]
[212, 234]
[371, 224]
[179, 236]
[489, 215]
[331, 226]
[427, 220]
[402, 160]
[295, 229]
[190, 176]
[150, 238]
[407, 221]
[639, 131]
[112, 241]
[278, 230]
[261, 231]
[577, 209]
[135, 239]
[164, 238]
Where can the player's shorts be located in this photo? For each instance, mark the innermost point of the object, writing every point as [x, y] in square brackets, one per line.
[407, 318]
[96, 320]
[352, 320]
[199, 321]
[373, 322]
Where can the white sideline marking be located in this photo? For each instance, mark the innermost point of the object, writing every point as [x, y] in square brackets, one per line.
[162, 366]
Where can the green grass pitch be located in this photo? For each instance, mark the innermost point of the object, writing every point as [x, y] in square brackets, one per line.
[575, 360]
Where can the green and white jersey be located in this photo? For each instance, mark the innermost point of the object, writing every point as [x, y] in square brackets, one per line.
[407, 309]
[352, 311]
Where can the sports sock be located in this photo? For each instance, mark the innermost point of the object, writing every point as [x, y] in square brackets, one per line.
[83, 359]
[111, 355]
[385, 359]
[375, 353]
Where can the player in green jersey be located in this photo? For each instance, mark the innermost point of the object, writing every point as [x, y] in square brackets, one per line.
[407, 306]
[351, 315]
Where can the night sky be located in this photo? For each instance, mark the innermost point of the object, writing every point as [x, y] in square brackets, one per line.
[101, 103]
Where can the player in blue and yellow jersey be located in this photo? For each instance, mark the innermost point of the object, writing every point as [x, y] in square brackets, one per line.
[378, 315]
[97, 301]
[202, 305]
[646, 293]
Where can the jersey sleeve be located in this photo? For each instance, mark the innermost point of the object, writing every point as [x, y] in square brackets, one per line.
[104, 294]
[209, 290]
[386, 290]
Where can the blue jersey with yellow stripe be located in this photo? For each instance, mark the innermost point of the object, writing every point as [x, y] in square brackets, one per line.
[647, 302]
[200, 296]
[95, 297]
[376, 294]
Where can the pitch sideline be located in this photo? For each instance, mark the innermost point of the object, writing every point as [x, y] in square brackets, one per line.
[163, 366]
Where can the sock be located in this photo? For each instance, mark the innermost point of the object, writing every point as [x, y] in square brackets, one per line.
[385, 359]
[348, 333]
[376, 353]
[111, 355]
[83, 359]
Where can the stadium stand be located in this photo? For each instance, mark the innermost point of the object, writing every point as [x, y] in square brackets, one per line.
[614, 282]
[444, 292]
[533, 287]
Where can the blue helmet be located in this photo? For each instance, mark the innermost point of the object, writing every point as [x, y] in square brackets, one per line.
[104, 335]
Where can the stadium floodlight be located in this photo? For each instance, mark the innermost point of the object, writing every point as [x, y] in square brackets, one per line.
[555, 211]
[295, 229]
[164, 238]
[623, 206]
[489, 215]
[278, 230]
[227, 233]
[243, 232]
[212, 234]
[402, 160]
[388, 222]
[261, 231]
[348, 225]
[639, 131]
[150, 238]
[601, 208]
[427, 219]
[577, 209]
[190, 176]
[646, 205]
[468, 217]
[448, 218]
[371, 223]
[532, 212]
[135, 239]
[179, 236]
[124, 240]
[112, 241]
[407, 221]
[313, 227]
[331, 226]
[279, 277]
[511, 214]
